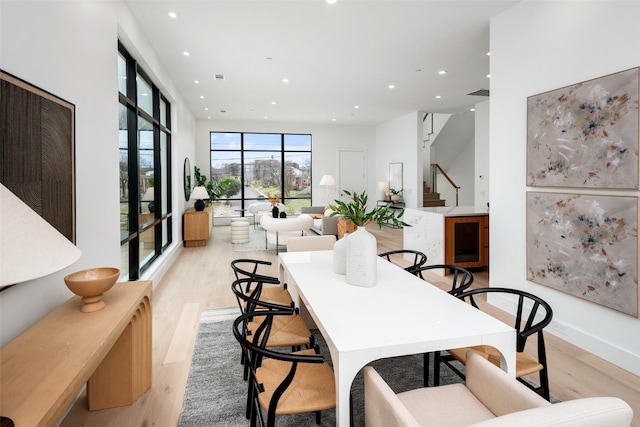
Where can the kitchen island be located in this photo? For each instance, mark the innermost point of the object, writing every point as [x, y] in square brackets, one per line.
[449, 235]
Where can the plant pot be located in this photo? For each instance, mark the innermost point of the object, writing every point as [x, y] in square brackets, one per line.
[395, 198]
[362, 258]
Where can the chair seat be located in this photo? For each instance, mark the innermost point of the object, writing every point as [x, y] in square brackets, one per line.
[426, 404]
[276, 295]
[525, 363]
[313, 387]
[286, 331]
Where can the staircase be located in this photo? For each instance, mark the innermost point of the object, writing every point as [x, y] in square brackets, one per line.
[430, 199]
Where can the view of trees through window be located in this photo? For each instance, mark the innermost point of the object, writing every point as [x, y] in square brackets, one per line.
[249, 168]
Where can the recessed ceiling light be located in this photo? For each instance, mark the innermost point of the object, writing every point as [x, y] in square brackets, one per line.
[356, 106]
[488, 76]
[172, 14]
[488, 53]
[438, 96]
[392, 86]
[472, 109]
[209, 117]
[285, 80]
[201, 96]
[331, 1]
[196, 81]
[334, 120]
[185, 53]
[206, 108]
[265, 117]
[441, 72]
[273, 102]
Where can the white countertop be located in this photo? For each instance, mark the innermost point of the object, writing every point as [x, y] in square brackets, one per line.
[455, 210]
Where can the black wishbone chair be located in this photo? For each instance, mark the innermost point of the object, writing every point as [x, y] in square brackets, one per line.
[286, 331]
[418, 259]
[282, 383]
[532, 315]
[461, 280]
[248, 268]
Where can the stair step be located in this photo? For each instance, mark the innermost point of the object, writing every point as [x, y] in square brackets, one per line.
[432, 203]
[431, 196]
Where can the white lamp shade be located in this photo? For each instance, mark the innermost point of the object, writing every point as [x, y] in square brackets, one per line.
[383, 186]
[30, 247]
[200, 193]
[327, 180]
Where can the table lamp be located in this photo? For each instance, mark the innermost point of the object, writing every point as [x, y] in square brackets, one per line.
[200, 194]
[326, 181]
[383, 186]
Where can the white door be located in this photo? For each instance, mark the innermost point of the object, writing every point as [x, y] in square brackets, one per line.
[352, 172]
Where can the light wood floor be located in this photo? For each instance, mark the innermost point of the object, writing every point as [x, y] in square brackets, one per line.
[201, 278]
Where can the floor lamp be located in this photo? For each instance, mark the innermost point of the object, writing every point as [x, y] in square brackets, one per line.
[326, 181]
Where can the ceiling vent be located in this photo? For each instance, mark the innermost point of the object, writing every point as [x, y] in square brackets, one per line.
[480, 92]
[219, 76]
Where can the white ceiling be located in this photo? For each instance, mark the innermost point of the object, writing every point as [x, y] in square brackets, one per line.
[336, 56]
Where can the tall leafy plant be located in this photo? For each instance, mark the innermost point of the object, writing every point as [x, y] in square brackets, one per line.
[356, 211]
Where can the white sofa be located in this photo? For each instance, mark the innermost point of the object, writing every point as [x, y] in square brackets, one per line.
[490, 398]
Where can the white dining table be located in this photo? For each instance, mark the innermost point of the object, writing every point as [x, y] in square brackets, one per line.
[401, 315]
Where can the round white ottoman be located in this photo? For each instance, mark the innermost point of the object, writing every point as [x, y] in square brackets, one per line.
[239, 231]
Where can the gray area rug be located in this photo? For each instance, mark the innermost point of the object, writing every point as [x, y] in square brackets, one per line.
[256, 242]
[216, 393]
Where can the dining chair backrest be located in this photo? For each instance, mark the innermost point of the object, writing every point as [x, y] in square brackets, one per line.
[419, 259]
[461, 278]
[311, 243]
[532, 314]
[246, 267]
[248, 292]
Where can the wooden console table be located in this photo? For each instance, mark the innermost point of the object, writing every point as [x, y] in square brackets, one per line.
[43, 370]
[197, 226]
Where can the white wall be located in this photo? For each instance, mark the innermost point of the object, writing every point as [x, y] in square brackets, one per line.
[400, 140]
[69, 48]
[481, 159]
[326, 140]
[461, 170]
[538, 46]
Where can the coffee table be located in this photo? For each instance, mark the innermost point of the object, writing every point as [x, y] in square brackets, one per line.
[401, 315]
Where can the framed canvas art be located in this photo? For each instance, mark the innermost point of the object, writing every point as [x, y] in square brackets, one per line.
[585, 245]
[37, 140]
[585, 135]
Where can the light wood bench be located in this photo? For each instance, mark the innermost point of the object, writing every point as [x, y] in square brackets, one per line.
[43, 370]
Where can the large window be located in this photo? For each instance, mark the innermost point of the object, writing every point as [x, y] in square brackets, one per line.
[254, 167]
[145, 152]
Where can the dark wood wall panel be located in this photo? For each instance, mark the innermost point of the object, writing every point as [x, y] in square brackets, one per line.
[37, 153]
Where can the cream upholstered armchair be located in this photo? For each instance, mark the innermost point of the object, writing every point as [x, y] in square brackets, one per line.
[490, 398]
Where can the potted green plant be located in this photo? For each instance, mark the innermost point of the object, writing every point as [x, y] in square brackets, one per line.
[355, 210]
[395, 194]
[361, 255]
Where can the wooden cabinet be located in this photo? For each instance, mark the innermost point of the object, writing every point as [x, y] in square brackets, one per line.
[197, 226]
[467, 241]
